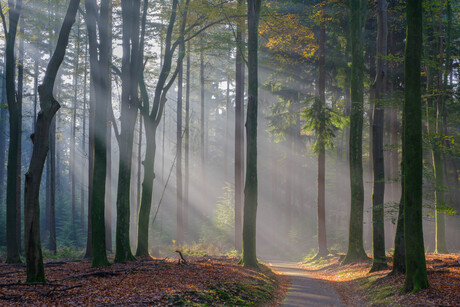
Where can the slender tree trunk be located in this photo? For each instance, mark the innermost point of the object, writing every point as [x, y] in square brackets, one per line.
[355, 238]
[416, 276]
[19, 157]
[202, 124]
[227, 119]
[378, 219]
[73, 132]
[14, 121]
[249, 257]
[288, 182]
[91, 122]
[438, 163]
[3, 119]
[179, 190]
[152, 121]
[49, 106]
[139, 164]
[187, 144]
[52, 192]
[131, 68]
[239, 133]
[83, 145]
[108, 189]
[110, 124]
[399, 255]
[321, 196]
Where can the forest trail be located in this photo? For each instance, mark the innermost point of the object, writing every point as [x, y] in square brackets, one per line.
[305, 290]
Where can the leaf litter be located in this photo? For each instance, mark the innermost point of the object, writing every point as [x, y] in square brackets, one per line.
[358, 287]
[204, 281]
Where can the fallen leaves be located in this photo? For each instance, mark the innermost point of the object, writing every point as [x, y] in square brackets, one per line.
[204, 281]
[358, 287]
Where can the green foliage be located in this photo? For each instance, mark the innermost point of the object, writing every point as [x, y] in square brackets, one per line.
[67, 253]
[220, 232]
[324, 122]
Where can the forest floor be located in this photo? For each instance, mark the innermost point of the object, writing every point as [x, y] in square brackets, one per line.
[358, 287]
[202, 281]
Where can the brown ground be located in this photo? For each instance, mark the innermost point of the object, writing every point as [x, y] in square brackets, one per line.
[152, 282]
[359, 288]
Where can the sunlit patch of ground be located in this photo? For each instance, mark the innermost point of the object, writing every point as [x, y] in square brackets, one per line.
[358, 287]
[204, 281]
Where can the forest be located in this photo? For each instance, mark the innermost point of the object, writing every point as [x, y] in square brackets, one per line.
[230, 153]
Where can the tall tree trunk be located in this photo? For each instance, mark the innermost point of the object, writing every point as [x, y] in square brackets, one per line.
[378, 219]
[83, 146]
[49, 106]
[249, 257]
[108, 189]
[19, 157]
[355, 237]
[321, 196]
[131, 68]
[110, 125]
[152, 120]
[437, 145]
[416, 276]
[73, 132]
[239, 132]
[3, 119]
[100, 73]
[14, 121]
[52, 191]
[202, 124]
[179, 209]
[227, 119]
[187, 144]
[91, 123]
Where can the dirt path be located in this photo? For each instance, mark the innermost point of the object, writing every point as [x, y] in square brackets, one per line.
[305, 290]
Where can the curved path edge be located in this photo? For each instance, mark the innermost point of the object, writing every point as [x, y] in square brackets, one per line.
[305, 290]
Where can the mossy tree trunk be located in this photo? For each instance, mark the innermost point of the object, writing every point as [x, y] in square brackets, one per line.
[249, 257]
[355, 237]
[49, 106]
[416, 276]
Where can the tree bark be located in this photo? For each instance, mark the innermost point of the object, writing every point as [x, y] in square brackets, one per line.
[73, 135]
[355, 237]
[130, 74]
[187, 144]
[249, 257]
[378, 218]
[416, 276]
[321, 195]
[14, 121]
[153, 119]
[99, 63]
[49, 106]
[19, 157]
[179, 189]
[239, 132]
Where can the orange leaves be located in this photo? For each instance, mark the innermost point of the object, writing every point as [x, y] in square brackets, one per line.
[288, 35]
[148, 282]
[356, 285]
